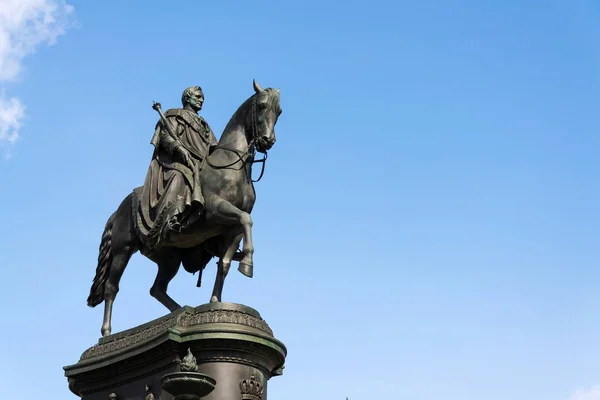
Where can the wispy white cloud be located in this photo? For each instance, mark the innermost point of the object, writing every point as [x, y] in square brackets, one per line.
[12, 112]
[24, 26]
[592, 393]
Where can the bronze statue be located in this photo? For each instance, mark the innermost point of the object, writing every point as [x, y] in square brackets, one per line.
[207, 213]
[171, 198]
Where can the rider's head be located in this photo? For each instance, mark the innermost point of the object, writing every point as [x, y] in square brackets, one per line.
[193, 97]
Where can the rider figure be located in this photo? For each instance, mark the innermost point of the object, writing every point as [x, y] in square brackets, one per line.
[171, 197]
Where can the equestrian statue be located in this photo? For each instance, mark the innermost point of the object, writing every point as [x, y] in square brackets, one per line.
[196, 201]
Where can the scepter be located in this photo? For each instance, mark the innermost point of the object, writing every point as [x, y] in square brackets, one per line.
[156, 106]
[180, 147]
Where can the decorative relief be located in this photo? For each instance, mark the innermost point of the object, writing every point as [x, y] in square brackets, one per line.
[225, 316]
[237, 360]
[184, 320]
[121, 343]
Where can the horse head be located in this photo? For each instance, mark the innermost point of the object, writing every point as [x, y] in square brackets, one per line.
[261, 120]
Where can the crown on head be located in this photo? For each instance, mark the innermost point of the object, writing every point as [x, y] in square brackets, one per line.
[251, 389]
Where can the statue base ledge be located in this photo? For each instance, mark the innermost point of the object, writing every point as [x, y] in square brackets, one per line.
[231, 342]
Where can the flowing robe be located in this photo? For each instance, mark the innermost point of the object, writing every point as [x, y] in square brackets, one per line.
[171, 197]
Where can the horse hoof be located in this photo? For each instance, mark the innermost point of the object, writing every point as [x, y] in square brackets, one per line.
[246, 269]
[214, 299]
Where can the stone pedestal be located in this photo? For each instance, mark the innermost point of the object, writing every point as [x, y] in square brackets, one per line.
[232, 345]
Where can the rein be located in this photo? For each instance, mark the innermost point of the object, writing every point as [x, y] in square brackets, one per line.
[243, 156]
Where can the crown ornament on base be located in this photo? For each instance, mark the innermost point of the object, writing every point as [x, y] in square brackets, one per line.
[251, 389]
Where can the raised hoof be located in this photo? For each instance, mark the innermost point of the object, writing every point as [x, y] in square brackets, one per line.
[246, 269]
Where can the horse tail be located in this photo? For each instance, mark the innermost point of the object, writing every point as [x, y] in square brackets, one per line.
[102, 270]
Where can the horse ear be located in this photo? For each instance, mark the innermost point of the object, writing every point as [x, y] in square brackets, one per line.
[257, 87]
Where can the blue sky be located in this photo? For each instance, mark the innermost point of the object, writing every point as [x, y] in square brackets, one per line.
[428, 223]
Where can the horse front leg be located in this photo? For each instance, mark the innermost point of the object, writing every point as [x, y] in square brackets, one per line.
[224, 265]
[225, 212]
[167, 269]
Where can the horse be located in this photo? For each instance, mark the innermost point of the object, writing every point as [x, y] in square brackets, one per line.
[229, 195]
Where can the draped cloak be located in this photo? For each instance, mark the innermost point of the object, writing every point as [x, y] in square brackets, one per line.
[172, 188]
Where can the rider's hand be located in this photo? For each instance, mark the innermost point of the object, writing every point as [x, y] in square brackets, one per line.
[185, 155]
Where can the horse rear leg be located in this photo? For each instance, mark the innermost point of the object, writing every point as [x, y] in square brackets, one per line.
[117, 267]
[226, 212]
[121, 246]
[230, 244]
[167, 269]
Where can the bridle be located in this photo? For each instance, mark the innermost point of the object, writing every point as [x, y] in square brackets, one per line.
[245, 155]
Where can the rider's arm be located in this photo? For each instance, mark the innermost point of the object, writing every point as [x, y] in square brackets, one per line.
[171, 144]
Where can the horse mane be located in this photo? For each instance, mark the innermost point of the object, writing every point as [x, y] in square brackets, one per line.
[246, 106]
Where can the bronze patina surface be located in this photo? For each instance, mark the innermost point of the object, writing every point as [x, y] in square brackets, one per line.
[195, 203]
[230, 344]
